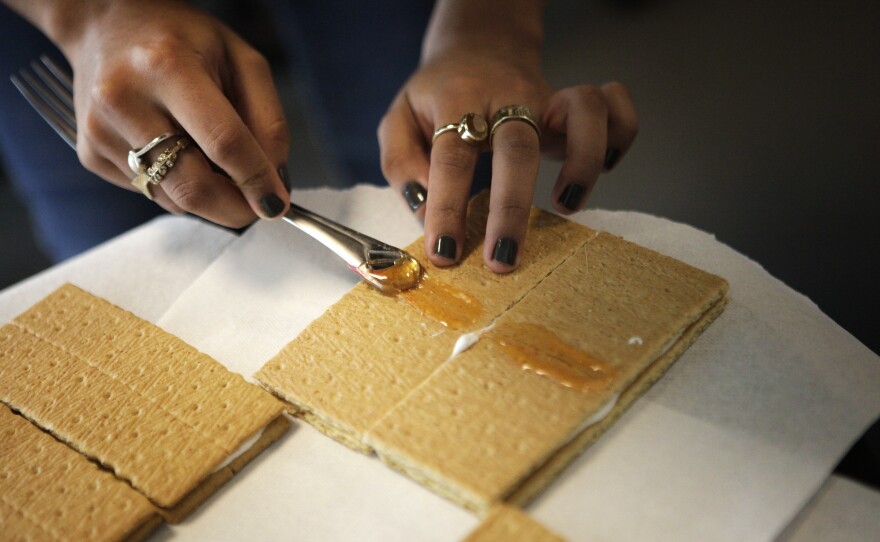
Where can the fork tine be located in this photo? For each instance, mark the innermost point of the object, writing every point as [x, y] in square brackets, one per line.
[49, 97]
[58, 72]
[58, 124]
[57, 86]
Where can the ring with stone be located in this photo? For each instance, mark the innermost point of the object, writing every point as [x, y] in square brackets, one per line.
[134, 155]
[513, 112]
[472, 129]
[165, 161]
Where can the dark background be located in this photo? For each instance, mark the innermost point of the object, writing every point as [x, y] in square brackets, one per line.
[760, 123]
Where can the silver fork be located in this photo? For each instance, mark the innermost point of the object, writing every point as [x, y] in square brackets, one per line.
[49, 90]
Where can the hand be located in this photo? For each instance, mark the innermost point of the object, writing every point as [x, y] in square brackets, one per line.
[471, 68]
[143, 70]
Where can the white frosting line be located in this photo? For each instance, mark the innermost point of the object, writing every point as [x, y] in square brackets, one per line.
[600, 414]
[635, 340]
[597, 417]
[467, 340]
[606, 409]
[246, 445]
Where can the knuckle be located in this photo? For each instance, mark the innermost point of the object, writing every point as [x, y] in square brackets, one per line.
[630, 126]
[221, 142]
[92, 126]
[454, 160]
[615, 87]
[87, 156]
[278, 134]
[254, 181]
[593, 99]
[447, 211]
[391, 161]
[511, 211]
[519, 145]
[190, 195]
[160, 56]
[109, 94]
[256, 60]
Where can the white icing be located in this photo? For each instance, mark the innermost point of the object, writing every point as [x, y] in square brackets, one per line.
[467, 340]
[597, 417]
[600, 414]
[635, 340]
[669, 344]
[246, 445]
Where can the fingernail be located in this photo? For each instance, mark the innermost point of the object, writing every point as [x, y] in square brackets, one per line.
[285, 180]
[611, 156]
[445, 247]
[415, 195]
[271, 205]
[505, 251]
[571, 196]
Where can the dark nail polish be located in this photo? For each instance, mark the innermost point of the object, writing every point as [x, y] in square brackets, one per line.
[505, 251]
[611, 156]
[285, 180]
[571, 196]
[415, 195]
[445, 247]
[271, 205]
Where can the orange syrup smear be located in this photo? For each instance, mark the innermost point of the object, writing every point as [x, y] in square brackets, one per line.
[539, 350]
[452, 307]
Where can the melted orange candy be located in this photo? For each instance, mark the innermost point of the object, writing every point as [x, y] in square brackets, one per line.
[537, 349]
[447, 304]
[403, 274]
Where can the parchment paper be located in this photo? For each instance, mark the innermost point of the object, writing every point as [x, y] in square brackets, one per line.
[729, 445]
[143, 270]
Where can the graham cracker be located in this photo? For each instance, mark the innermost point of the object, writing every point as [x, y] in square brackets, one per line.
[49, 491]
[478, 428]
[134, 398]
[481, 425]
[368, 351]
[506, 523]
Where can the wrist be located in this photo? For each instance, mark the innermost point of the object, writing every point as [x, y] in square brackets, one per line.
[508, 28]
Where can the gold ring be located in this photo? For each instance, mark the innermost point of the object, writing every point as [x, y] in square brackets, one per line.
[134, 155]
[141, 181]
[472, 129]
[512, 112]
[155, 173]
[165, 161]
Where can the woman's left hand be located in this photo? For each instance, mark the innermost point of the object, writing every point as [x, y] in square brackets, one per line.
[462, 72]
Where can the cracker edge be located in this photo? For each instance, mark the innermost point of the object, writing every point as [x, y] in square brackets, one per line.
[192, 500]
[533, 485]
[537, 480]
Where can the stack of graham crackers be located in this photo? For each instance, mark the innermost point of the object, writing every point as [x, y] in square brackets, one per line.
[488, 400]
[109, 424]
[482, 387]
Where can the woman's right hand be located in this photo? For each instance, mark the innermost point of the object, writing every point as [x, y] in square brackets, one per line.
[144, 69]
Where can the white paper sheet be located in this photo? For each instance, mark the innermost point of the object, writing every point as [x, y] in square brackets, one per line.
[843, 511]
[143, 270]
[729, 445]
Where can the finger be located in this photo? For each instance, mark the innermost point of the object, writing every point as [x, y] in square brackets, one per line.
[450, 175]
[257, 101]
[208, 116]
[516, 156]
[623, 123]
[97, 142]
[582, 115]
[197, 189]
[191, 185]
[404, 154]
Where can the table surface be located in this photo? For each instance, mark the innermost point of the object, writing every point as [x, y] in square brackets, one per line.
[741, 434]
